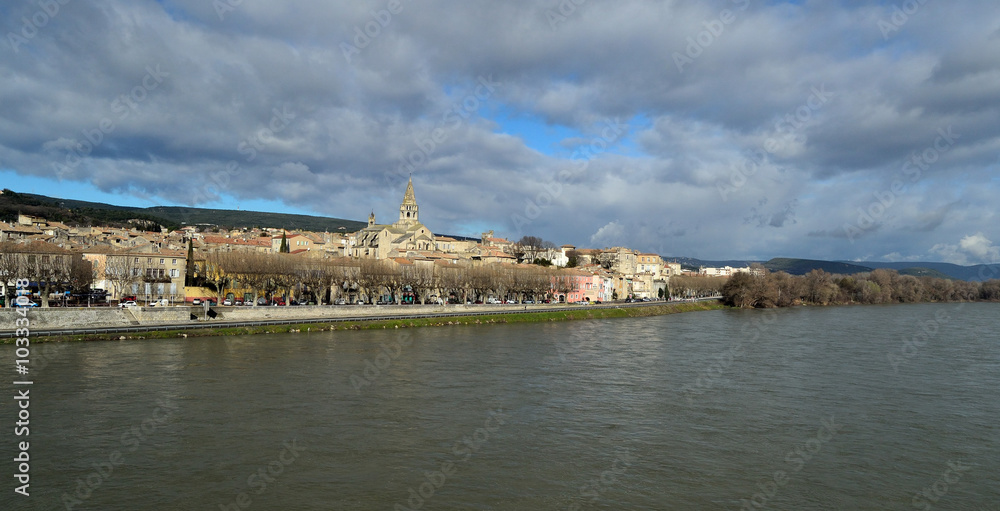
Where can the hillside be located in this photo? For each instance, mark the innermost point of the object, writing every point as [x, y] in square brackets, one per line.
[974, 273]
[77, 212]
[804, 266]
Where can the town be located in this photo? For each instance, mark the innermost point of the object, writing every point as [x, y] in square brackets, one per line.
[401, 263]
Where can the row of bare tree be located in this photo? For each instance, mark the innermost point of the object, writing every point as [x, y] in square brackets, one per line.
[821, 288]
[325, 280]
[50, 268]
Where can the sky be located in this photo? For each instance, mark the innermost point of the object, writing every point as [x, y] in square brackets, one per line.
[720, 129]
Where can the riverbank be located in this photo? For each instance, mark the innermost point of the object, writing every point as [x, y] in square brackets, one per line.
[526, 317]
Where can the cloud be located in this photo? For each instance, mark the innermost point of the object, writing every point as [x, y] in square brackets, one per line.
[971, 249]
[81, 105]
[978, 246]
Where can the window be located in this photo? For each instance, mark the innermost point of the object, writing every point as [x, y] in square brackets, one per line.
[161, 261]
[136, 259]
[174, 261]
[175, 273]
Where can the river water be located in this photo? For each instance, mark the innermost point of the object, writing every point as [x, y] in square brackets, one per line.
[837, 408]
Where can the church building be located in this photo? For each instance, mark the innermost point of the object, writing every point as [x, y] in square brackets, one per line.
[378, 241]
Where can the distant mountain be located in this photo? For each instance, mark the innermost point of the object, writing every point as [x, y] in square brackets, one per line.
[975, 273]
[925, 272]
[235, 219]
[804, 266]
[77, 212]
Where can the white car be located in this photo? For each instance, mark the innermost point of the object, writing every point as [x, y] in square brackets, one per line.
[227, 301]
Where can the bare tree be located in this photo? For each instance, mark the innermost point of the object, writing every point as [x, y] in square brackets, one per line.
[10, 269]
[122, 270]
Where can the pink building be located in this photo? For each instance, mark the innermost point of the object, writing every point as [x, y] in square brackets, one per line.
[574, 285]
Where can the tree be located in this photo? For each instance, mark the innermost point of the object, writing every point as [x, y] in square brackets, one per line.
[990, 290]
[216, 272]
[189, 270]
[10, 268]
[283, 249]
[528, 248]
[573, 259]
[81, 272]
[122, 270]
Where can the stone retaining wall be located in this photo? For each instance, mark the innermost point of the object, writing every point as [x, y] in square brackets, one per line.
[97, 317]
[94, 317]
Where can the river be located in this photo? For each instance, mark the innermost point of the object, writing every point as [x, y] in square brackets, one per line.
[852, 408]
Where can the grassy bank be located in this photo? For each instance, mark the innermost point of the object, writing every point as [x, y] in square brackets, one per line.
[528, 317]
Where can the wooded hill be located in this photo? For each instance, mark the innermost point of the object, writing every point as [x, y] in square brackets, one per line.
[84, 213]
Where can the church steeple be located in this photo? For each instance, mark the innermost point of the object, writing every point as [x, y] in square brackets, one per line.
[408, 209]
[371, 219]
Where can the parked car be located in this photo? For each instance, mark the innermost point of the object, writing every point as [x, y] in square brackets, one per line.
[196, 301]
[597, 302]
[127, 303]
[28, 305]
[227, 301]
[528, 302]
[340, 301]
[359, 302]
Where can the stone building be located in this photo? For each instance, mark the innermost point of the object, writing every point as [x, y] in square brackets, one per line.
[407, 234]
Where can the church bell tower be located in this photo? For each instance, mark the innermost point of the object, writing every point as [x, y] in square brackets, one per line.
[408, 209]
